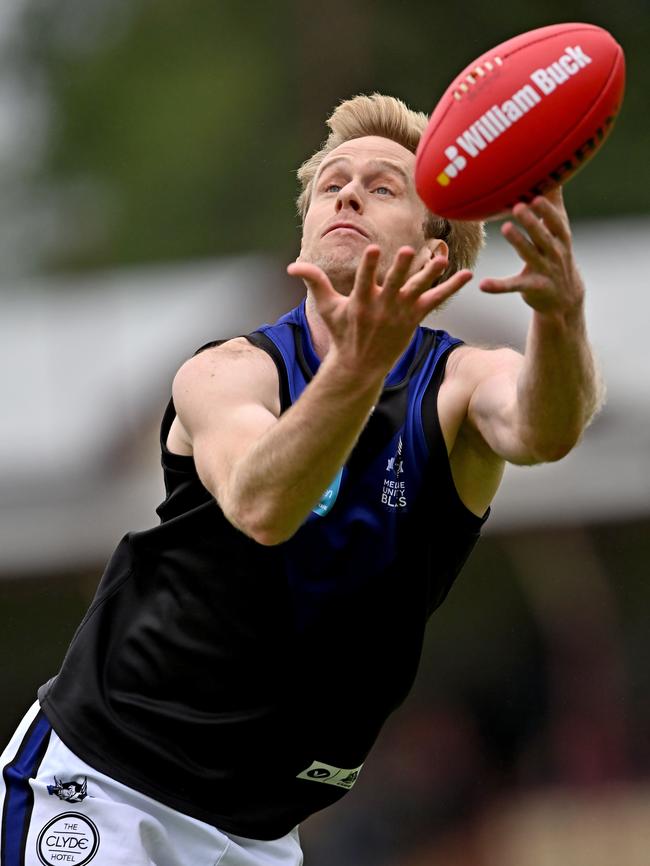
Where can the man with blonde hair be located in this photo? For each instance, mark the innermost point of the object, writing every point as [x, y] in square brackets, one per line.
[327, 477]
[387, 117]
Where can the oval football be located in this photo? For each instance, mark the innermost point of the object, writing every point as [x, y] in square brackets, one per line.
[519, 120]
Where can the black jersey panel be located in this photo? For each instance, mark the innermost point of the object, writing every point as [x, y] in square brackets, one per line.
[454, 521]
[210, 671]
[263, 342]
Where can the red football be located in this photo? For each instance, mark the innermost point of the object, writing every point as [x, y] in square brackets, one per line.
[520, 120]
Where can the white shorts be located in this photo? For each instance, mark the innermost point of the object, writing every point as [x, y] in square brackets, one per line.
[59, 811]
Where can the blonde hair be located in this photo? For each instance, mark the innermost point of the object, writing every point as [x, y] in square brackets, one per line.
[390, 118]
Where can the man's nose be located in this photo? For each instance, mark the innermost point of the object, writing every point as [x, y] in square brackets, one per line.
[349, 197]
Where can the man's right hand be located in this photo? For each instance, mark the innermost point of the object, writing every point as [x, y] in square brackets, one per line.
[370, 329]
[268, 472]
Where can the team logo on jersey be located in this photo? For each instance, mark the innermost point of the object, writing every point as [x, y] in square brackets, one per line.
[69, 838]
[328, 498]
[329, 775]
[396, 464]
[393, 491]
[73, 792]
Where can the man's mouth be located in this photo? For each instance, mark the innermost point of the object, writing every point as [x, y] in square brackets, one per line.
[344, 226]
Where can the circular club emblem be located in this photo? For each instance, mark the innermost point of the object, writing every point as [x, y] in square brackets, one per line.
[70, 839]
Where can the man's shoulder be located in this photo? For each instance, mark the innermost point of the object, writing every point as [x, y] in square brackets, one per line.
[233, 353]
[225, 370]
[232, 348]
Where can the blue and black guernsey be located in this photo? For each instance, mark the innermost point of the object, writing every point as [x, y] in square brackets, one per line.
[210, 671]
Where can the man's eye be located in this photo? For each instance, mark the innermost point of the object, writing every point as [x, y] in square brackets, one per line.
[332, 187]
[383, 190]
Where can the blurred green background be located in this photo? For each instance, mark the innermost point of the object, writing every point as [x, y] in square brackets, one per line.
[174, 129]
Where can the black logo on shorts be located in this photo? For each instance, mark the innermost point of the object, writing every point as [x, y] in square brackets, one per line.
[70, 838]
[73, 792]
[319, 773]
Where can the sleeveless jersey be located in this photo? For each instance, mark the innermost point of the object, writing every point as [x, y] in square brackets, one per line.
[245, 684]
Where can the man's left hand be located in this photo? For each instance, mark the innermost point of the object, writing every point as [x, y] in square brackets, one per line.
[549, 282]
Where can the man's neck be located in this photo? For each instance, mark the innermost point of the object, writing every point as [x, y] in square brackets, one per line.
[320, 336]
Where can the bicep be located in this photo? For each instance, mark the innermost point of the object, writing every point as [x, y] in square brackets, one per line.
[225, 401]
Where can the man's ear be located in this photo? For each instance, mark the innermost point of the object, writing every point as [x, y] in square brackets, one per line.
[437, 247]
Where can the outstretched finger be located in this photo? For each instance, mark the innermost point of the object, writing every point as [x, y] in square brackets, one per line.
[398, 271]
[435, 297]
[425, 277]
[554, 214]
[539, 234]
[364, 281]
[556, 197]
[526, 250]
[514, 283]
[315, 279]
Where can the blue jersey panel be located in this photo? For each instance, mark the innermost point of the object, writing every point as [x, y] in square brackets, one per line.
[353, 533]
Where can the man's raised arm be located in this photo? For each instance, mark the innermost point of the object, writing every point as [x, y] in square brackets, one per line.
[534, 409]
[267, 472]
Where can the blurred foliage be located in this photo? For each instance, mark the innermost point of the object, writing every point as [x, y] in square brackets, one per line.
[179, 126]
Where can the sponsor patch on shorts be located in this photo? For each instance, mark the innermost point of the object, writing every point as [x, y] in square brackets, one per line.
[329, 775]
[70, 838]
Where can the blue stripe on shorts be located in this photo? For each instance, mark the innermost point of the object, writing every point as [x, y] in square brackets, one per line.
[19, 798]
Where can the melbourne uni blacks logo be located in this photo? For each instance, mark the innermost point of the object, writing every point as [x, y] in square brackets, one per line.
[393, 493]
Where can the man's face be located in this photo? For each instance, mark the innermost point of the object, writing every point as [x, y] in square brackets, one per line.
[366, 184]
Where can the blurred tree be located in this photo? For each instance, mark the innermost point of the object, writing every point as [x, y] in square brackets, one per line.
[174, 134]
[176, 128]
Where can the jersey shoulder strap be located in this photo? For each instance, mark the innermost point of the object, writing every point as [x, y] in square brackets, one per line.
[266, 344]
